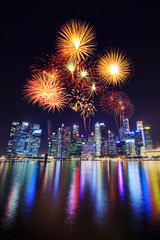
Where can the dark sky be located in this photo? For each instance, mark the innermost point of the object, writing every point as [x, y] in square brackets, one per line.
[29, 29]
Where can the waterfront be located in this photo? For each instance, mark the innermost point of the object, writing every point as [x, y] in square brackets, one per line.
[80, 200]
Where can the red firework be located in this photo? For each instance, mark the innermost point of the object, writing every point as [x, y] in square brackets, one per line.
[117, 103]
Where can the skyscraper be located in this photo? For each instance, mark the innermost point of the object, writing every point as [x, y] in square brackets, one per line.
[148, 138]
[52, 145]
[97, 138]
[21, 137]
[130, 144]
[76, 143]
[126, 128]
[140, 127]
[24, 140]
[111, 143]
[138, 142]
[11, 148]
[60, 143]
[103, 138]
[67, 142]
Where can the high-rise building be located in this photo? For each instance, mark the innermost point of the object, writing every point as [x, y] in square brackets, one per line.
[130, 144]
[60, 142]
[121, 147]
[126, 128]
[111, 143]
[103, 138]
[52, 145]
[76, 142]
[91, 138]
[148, 138]
[21, 137]
[97, 139]
[12, 140]
[89, 148]
[24, 140]
[67, 142]
[140, 127]
[138, 142]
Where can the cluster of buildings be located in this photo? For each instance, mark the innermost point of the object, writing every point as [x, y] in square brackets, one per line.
[102, 142]
[25, 139]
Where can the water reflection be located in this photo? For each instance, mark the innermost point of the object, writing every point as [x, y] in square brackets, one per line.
[68, 193]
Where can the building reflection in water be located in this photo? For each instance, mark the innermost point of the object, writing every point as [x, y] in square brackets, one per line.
[121, 181]
[71, 188]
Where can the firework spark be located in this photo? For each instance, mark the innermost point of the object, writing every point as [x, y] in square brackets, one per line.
[76, 40]
[47, 91]
[116, 103]
[114, 67]
[48, 63]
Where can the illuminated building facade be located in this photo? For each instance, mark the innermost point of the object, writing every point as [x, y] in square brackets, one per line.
[140, 127]
[52, 145]
[33, 141]
[103, 138]
[148, 138]
[97, 139]
[60, 142]
[67, 142]
[121, 148]
[12, 140]
[111, 143]
[24, 140]
[130, 144]
[126, 128]
[76, 142]
[21, 137]
[138, 142]
[89, 148]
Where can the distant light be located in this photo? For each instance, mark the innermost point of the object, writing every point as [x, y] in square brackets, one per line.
[147, 128]
[82, 136]
[102, 124]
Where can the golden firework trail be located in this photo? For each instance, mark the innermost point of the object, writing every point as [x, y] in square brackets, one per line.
[114, 67]
[47, 91]
[76, 40]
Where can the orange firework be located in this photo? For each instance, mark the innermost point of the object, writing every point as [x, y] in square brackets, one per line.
[76, 40]
[46, 90]
[114, 67]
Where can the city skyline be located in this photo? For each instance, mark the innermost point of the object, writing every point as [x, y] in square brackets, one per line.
[26, 45]
[69, 141]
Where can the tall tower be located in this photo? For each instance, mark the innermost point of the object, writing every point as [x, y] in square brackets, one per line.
[111, 143]
[103, 138]
[140, 127]
[12, 140]
[148, 138]
[67, 141]
[97, 138]
[126, 128]
[60, 146]
[21, 137]
[33, 141]
[76, 143]
[138, 142]
[52, 145]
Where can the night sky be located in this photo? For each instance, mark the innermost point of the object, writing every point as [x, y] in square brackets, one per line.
[29, 29]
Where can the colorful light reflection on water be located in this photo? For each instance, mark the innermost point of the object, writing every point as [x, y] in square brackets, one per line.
[74, 200]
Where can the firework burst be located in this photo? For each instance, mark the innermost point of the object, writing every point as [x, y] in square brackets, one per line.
[76, 40]
[116, 103]
[47, 91]
[114, 67]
